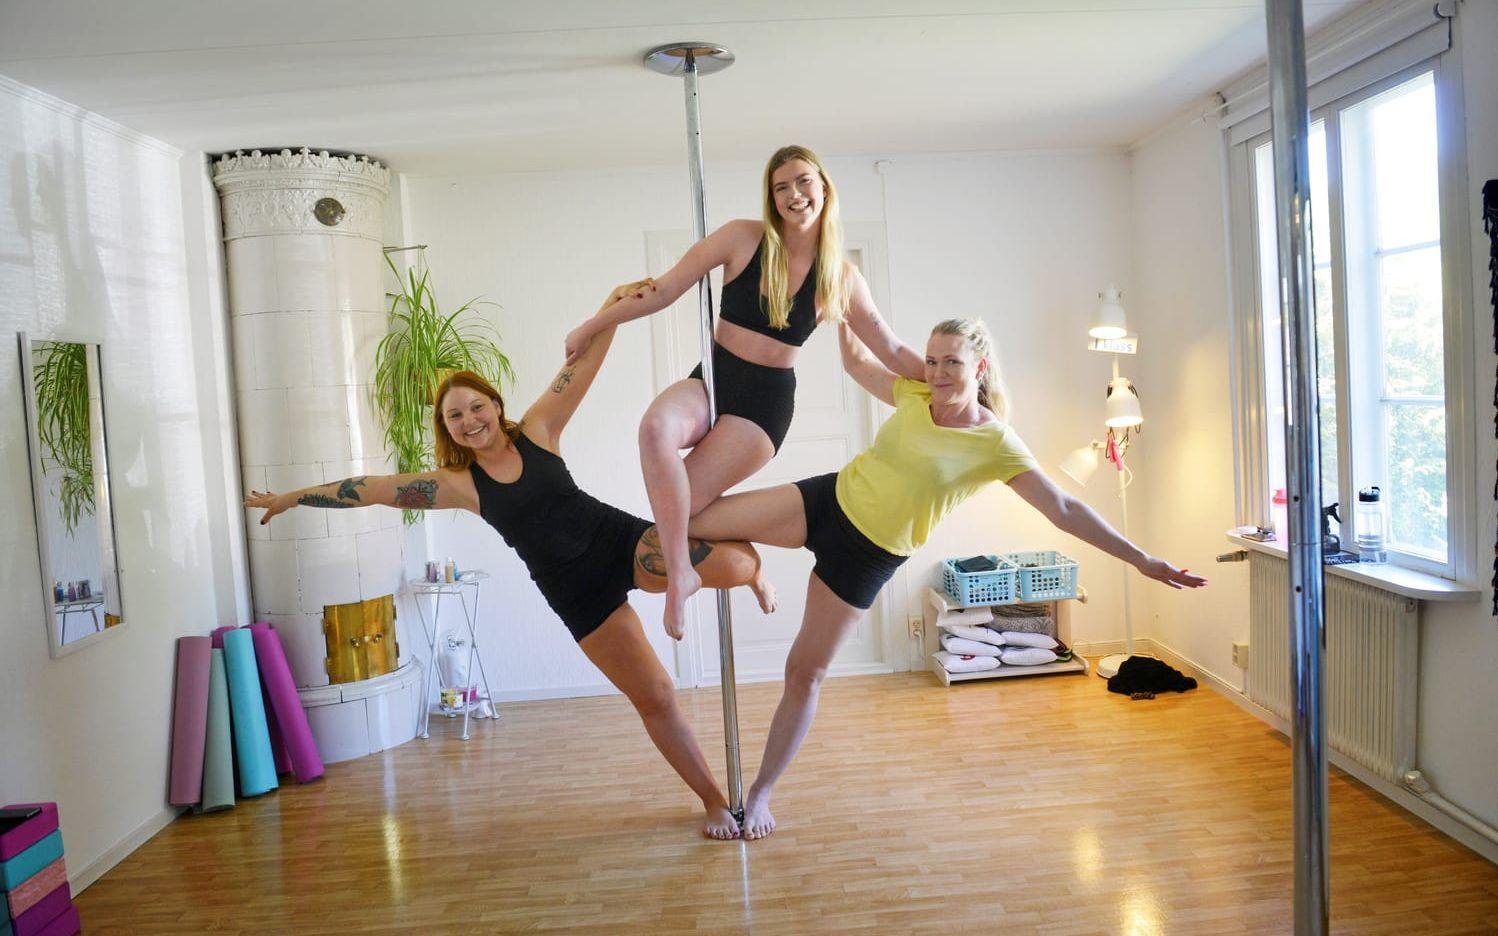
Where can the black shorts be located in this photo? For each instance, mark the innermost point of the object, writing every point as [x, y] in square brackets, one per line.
[847, 561]
[593, 586]
[766, 396]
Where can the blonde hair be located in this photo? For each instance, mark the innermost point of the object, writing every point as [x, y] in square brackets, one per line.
[450, 452]
[991, 392]
[774, 275]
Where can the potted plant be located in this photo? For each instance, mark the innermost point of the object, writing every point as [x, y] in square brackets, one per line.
[60, 372]
[425, 345]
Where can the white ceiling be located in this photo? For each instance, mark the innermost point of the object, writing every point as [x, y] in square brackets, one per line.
[476, 85]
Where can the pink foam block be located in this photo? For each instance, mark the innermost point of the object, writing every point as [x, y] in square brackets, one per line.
[30, 832]
[281, 692]
[190, 720]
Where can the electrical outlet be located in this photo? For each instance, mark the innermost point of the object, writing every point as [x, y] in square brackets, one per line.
[917, 627]
[1240, 655]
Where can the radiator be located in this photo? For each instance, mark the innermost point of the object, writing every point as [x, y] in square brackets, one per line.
[1372, 662]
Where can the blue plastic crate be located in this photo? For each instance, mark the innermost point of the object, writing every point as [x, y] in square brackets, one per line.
[1044, 575]
[997, 586]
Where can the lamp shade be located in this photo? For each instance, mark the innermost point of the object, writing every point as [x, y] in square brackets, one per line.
[1080, 464]
[1109, 321]
[1122, 409]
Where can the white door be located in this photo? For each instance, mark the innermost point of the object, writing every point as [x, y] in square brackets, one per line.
[832, 424]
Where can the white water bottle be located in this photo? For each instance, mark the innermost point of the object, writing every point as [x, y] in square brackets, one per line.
[1371, 524]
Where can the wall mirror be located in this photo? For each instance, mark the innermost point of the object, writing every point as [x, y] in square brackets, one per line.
[65, 435]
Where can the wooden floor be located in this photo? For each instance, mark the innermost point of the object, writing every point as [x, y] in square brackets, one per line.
[1021, 805]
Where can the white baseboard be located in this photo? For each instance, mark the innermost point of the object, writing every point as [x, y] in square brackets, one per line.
[80, 880]
[1391, 791]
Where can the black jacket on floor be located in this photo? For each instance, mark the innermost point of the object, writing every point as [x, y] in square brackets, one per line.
[1142, 674]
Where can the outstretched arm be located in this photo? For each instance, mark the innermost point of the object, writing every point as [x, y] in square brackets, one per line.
[862, 367]
[1072, 516]
[899, 357]
[427, 490]
[714, 250]
[549, 415]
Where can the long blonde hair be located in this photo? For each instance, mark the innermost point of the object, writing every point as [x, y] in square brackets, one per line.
[991, 392]
[450, 452]
[774, 274]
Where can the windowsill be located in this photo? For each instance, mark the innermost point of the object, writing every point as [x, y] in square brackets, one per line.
[1390, 578]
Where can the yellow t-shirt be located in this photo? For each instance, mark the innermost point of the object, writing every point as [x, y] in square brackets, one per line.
[916, 472]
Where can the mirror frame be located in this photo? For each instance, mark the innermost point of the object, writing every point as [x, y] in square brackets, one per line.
[104, 496]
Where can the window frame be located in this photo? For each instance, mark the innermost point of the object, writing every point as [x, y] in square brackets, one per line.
[1253, 421]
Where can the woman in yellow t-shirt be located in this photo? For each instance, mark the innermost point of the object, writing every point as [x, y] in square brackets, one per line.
[948, 438]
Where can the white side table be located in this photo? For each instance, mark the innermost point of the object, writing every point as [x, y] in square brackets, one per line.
[89, 606]
[466, 588]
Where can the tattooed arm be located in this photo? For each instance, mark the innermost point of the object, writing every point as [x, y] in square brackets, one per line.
[429, 490]
[549, 415]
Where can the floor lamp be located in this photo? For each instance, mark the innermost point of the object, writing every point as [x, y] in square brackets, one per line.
[1122, 416]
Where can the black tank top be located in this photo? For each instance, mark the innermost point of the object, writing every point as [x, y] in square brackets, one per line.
[743, 305]
[542, 514]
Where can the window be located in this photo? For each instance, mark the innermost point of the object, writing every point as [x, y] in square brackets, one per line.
[1381, 313]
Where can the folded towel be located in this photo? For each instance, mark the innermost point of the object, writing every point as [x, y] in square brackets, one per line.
[1021, 639]
[964, 616]
[972, 632]
[956, 663]
[1027, 656]
[964, 647]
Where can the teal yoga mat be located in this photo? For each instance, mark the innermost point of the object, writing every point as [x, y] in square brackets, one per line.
[257, 765]
[218, 750]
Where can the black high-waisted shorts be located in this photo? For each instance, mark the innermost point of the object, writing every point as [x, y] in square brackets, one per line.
[593, 586]
[848, 562]
[766, 396]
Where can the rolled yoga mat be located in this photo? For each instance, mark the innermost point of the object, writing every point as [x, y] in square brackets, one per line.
[272, 723]
[286, 704]
[43, 912]
[257, 766]
[15, 871]
[190, 720]
[218, 635]
[218, 751]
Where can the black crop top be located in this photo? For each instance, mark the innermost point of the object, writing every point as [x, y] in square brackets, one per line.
[743, 305]
[542, 514]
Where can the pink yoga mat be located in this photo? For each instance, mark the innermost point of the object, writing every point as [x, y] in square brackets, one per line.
[280, 691]
[30, 832]
[190, 720]
[43, 912]
[218, 635]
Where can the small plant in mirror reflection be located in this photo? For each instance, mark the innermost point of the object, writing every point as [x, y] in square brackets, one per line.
[60, 372]
[423, 346]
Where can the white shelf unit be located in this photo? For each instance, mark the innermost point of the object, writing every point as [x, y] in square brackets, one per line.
[936, 601]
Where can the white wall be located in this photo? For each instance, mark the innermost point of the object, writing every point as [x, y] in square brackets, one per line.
[1024, 240]
[91, 242]
[1187, 495]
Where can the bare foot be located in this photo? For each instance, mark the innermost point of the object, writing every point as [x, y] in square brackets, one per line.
[678, 589]
[758, 822]
[719, 824]
[764, 592]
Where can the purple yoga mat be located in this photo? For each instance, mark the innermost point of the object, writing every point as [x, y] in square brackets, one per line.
[43, 912]
[218, 635]
[30, 832]
[280, 691]
[190, 720]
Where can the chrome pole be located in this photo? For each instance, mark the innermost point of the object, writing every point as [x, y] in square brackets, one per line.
[1290, 119]
[691, 59]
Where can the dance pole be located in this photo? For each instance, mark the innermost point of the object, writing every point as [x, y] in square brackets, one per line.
[1290, 119]
[689, 60]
